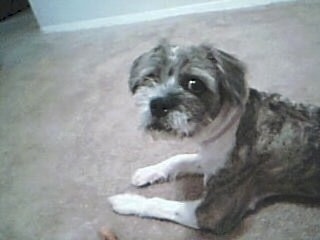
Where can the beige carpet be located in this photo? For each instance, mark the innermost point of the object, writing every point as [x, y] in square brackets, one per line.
[68, 126]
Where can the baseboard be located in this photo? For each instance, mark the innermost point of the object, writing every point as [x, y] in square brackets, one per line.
[219, 5]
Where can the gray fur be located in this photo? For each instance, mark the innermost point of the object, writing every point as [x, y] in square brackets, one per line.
[276, 154]
[222, 74]
[277, 150]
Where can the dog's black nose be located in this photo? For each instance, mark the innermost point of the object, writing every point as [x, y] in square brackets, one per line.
[160, 107]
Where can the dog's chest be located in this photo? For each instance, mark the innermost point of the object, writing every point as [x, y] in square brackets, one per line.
[215, 154]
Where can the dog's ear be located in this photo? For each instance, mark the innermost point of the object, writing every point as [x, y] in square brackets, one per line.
[134, 76]
[230, 73]
[146, 65]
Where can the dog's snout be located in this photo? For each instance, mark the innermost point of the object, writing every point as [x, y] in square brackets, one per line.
[160, 107]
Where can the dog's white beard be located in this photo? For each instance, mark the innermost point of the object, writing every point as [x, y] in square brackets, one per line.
[179, 122]
[176, 120]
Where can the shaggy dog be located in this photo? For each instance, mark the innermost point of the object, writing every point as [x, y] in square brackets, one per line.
[252, 145]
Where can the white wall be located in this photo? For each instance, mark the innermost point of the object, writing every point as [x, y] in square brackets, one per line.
[52, 12]
[66, 15]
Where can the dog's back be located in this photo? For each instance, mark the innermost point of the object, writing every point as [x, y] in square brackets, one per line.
[284, 141]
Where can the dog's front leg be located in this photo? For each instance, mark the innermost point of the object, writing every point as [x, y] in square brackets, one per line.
[182, 163]
[179, 212]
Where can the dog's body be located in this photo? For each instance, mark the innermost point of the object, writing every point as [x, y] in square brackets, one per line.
[276, 153]
[253, 145]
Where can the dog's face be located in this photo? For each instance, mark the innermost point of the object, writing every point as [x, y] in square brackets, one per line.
[181, 90]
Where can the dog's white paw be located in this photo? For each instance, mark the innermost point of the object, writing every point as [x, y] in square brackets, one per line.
[148, 175]
[128, 204]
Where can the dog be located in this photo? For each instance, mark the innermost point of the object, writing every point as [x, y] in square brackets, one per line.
[253, 145]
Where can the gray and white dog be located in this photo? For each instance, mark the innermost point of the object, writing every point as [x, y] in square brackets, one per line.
[252, 145]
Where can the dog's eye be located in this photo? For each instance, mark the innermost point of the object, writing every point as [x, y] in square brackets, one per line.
[150, 77]
[195, 86]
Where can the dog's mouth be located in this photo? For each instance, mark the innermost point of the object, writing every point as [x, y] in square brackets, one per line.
[160, 126]
[156, 125]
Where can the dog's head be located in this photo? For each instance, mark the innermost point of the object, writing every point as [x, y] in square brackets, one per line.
[181, 90]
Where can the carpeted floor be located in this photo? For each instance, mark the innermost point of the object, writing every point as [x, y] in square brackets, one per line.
[68, 126]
